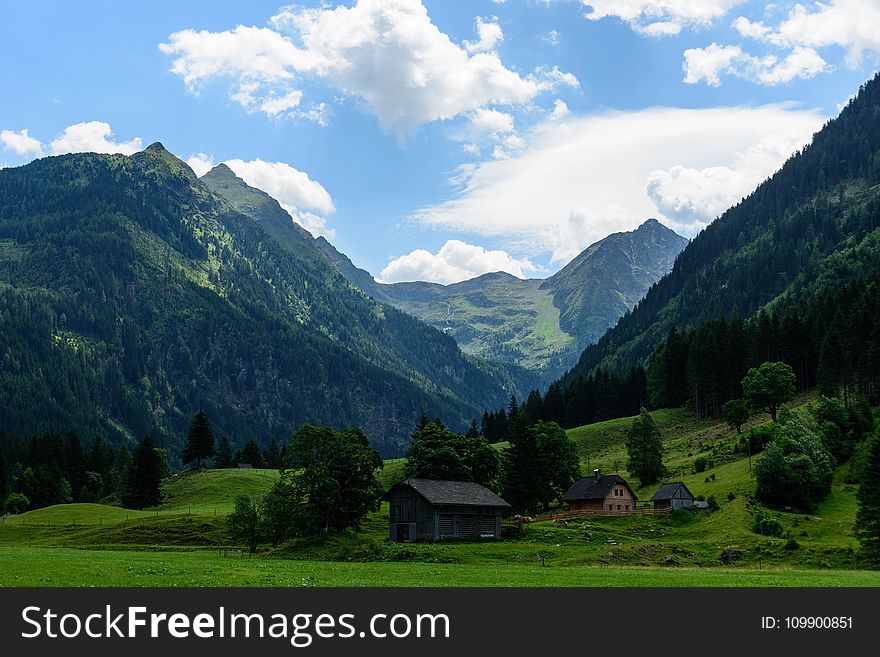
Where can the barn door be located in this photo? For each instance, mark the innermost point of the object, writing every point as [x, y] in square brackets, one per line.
[456, 527]
[403, 532]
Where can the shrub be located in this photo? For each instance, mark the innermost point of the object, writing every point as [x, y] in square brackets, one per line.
[701, 463]
[713, 503]
[792, 544]
[731, 496]
[766, 525]
[17, 503]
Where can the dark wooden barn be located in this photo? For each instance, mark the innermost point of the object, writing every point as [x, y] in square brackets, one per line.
[673, 496]
[601, 494]
[431, 510]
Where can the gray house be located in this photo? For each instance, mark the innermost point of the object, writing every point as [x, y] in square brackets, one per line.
[432, 510]
[673, 496]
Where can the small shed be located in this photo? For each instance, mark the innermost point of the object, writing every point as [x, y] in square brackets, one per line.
[245, 466]
[602, 494]
[434, 510]
[673, 496]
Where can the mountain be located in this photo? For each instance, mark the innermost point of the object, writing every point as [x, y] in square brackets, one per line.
[133, 294]
[540, 325]
[793, 247]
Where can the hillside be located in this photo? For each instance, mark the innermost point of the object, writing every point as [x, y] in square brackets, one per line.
[538, 324]
[680, 549]
[808, 231]
[131, 296]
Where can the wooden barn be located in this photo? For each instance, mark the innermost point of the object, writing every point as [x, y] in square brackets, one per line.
[431, 510]
[602, 494]
[673, 496]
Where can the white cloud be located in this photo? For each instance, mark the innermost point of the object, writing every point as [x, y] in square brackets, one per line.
[471, 149]
[293, 189]
[710, 63]
[660, 17]
[580, 179]
[20, 143]
[560, 110]
[455, 261]
[385, 52]
[552, 37]
[691, 196]
[92, 137]
[550, 80]
[489, 35]
[491, 121]
[275, 105]
[853, 25]
[200, 163]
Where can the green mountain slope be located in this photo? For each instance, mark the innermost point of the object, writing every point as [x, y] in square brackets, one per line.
[131, 296]
[537, 324]
[807, 231]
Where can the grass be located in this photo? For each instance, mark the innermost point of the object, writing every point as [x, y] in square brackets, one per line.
[66, 567]
[180, 542]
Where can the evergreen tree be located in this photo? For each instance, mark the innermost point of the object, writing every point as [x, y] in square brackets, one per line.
[868, 515]
[736, 414]
[520, 487]
[273, 455]
[2, 475]
[252, 454]
[559, 464]
[644, 447]
[100, 458]
[144, 477]
[223, 454]
[436, 453]
[119, 470]
[199, 440]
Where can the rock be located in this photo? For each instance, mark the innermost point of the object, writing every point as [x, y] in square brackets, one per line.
[668, 560]
[730, 556]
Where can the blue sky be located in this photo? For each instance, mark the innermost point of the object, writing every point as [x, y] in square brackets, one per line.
[439, 140]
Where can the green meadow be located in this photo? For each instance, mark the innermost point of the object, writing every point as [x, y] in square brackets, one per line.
[185, 541]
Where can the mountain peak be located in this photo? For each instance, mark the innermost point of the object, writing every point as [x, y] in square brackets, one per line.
[156, 147]
[220, 171]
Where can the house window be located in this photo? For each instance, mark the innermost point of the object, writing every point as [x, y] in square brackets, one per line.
[627, 507]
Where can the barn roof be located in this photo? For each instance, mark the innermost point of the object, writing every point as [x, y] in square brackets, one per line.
[461, 493]
[594, 488]
[668, 491]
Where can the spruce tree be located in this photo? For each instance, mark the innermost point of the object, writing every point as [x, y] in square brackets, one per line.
[868, 515]
[199, 440]
[144, 477]
[252, 454]
[223, 454]
[273, 455]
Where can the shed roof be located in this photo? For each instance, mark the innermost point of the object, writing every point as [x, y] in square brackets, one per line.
[594, 488]
[461, 493]
[668, 491]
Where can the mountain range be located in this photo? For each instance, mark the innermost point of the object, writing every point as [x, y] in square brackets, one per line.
[133, 294]
[538, 324]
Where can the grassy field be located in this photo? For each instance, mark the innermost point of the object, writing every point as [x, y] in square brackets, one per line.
[66, 567]
[181, 542]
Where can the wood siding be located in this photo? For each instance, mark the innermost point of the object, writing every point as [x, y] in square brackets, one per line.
[412, 518]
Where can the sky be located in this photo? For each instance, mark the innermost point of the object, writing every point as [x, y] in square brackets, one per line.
[442, 139]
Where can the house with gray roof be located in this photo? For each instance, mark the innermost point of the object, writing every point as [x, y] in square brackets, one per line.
[674, 495]
[601, 494]
[433, 510]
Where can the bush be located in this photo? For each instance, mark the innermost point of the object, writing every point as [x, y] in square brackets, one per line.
[766, 525]
[731, 496]
[17, 503]
[792, 544]
[712, 502]
[702, 463]
[796, 469]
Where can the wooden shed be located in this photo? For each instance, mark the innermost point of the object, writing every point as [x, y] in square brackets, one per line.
[601, 494]
[433, 510]
[673, 496]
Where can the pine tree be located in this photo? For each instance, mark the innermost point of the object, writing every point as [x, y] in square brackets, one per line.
[273, 455]
[868, 515]
[223, 454]
[199, 440]
[144, 477]
[252, 454]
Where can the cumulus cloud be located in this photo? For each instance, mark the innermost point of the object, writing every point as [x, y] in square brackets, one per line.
[560, 110]
[20, 143]
[387, 53]
[200, 163]
[455, 261]
[853, 25]
[576, 181]
[491, 121]
[92, 137]
[489, 35]
[293, 189]
[710, 63]
[660, 17]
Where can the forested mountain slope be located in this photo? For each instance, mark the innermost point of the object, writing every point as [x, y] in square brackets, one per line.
[803, 234]
[131, 296]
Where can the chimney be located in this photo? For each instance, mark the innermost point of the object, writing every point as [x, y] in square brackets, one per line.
[597, 473]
